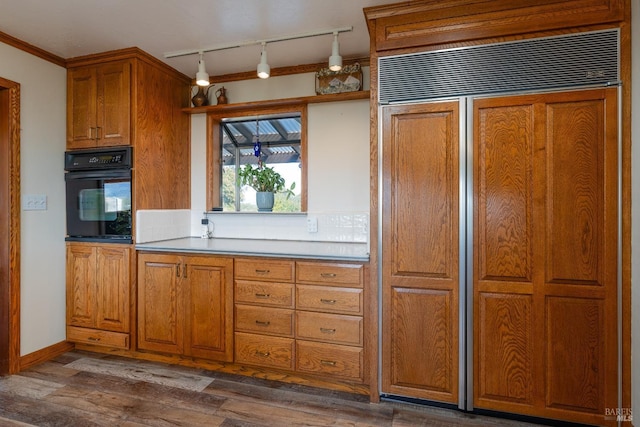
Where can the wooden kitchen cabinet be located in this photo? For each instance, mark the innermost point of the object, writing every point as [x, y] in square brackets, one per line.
[185, 305]
[98, 105]
[98, 294]
[128, 97]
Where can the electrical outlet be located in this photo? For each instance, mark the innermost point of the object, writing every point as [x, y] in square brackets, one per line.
[34, 202]
[312, 224]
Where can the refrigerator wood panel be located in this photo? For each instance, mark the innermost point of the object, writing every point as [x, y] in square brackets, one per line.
[421, 251]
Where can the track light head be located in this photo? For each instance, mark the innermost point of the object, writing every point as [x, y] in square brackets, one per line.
[335, 60]
[202, 77]
[264, 70]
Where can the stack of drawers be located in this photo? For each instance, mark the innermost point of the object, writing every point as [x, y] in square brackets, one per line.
[264, 308]
[329, 322]
[303, 316]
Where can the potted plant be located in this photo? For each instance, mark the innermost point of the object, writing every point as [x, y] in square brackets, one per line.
[266, 182]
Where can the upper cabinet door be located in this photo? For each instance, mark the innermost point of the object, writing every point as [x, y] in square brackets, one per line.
[99, 105]
[114, 104]
[81, 107]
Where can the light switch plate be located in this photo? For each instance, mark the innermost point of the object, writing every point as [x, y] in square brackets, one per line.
[34, 202]
[312, 224]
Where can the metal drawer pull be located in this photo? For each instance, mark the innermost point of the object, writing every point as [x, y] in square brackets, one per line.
[327, 331]
[328, 275]
[262, 353]
[262, 271]
[328, 301]
[328, 362]
[262, 295]
[93, 339]
[263, 323]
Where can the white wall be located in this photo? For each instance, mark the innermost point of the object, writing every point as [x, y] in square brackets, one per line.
[42, 145]
[635, 212]
[338, 153]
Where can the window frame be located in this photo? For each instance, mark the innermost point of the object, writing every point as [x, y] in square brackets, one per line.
[214, 144]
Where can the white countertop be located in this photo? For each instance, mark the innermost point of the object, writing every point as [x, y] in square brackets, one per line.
[340, 251]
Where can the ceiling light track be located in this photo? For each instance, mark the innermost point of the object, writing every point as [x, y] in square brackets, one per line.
[256, 42]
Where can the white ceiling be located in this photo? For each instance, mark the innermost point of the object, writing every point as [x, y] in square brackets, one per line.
[70, 28]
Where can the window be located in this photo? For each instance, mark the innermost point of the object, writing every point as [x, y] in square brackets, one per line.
[281, 136]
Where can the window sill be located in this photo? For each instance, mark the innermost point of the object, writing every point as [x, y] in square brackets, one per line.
[254, 213]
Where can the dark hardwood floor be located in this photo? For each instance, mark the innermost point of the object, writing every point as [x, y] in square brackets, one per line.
[87, 389]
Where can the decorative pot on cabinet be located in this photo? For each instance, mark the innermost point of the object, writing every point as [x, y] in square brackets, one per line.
[201, 98]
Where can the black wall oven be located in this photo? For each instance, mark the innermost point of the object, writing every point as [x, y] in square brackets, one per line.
[98, 188]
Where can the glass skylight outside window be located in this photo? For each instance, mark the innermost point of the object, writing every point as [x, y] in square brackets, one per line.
[280, 142]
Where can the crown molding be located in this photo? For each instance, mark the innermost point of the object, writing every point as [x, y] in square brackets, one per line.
[33, 50]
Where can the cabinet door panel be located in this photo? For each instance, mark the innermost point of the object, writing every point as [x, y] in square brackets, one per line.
[113, 107]
[113, 289]
[81, 107]
[209, 299]
[81, 285]
[420, 251]
[160, 304]
[545, 267]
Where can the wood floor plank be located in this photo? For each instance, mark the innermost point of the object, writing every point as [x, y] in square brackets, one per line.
[147, 373]
[44, 414]
[27, 387]
[87, 389]
[128, 408]
[311, 401]
[273, 415]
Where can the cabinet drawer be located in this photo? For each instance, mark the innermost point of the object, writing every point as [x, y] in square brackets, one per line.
[334, 360]
[350, 275]
[265, 293]
[264, 351]
[329, 299]
[264, 320]
[98, 337]
[334, 328]
[271, 270]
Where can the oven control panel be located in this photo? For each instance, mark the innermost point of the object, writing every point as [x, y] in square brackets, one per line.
[98, 159]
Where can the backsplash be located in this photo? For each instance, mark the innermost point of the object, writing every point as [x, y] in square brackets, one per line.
[162, 224]
[153, 225]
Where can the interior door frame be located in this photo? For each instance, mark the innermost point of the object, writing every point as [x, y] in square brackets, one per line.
[9, 227]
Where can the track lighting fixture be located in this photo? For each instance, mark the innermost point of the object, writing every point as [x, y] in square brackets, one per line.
[264, 70]
[202, 77]
[335, 60]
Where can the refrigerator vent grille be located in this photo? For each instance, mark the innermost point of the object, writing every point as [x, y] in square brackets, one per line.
[582, 59]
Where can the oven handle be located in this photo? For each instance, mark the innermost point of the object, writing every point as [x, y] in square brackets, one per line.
[101, 174]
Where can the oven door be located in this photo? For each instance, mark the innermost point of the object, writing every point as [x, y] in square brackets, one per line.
[99, 205]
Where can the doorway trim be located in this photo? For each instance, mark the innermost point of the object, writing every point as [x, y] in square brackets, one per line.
[9, 227]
